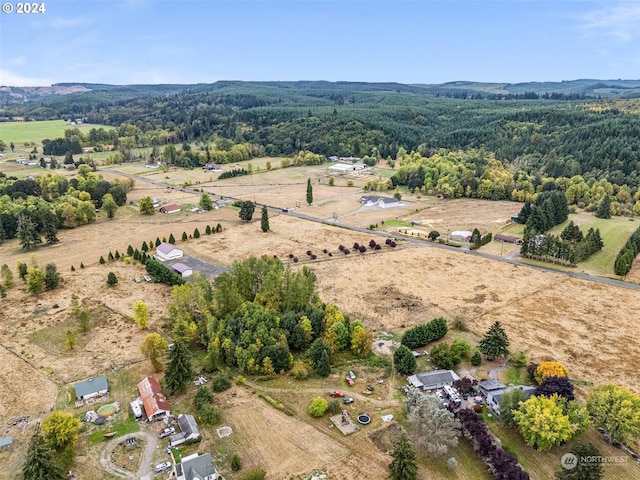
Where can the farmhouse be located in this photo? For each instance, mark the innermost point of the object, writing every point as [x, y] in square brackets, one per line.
[184, 270]
[171, 208]
[461, 235]
[92, 388]
[188, 430]
[196, 467]
[434, 379]
[507, 239]
[382, 202]
[154, 402]
[167, 251]
[493, 399]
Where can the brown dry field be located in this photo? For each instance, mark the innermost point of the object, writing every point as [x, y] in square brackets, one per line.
[588, 326]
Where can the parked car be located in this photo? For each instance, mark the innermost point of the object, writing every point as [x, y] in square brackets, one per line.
[352, 375]
[167, 431]
[147, 278]
[335, 393]
[161, 467]
[137, 279]
[349, 380]
[347, 400]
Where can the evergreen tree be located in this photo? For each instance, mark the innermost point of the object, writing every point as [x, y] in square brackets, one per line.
[196, 233]
[130, 251]
[144, 247]
[403, 466]
[207, 230]
[604, 207]
[525, 211]
[3, 234]
[50, 227]
[51, 276]
[172, 239]
[309, 192]
[112, 279]
[495, 343]
[264, 221]
[179, 370]
[158, 242]
[101, 261]
[404, 360]
[29, 237]
[184, 236]
[323, 366]
[38, 463]
[110, 257]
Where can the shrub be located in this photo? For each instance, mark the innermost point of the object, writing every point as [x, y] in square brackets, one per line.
[203, 397]
[81, 265]
[73, 269]
[236, 464]
[241, 380]
[112, 279]
[101, 261]
[184, 236]
[220, 383]
[476, 358]
[318, 407]
[300, 371]
[209, 414]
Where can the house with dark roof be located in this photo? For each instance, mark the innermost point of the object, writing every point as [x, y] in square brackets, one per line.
[94, 387]
[171, 208]
[434, 379]
[154, 402]
[489, 386]
[188, 430]
[167, 251]
[196, 467]
[494, 398]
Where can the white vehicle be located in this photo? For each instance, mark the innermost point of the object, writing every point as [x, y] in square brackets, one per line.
[161, 467]
[147, 278]
[167, 431]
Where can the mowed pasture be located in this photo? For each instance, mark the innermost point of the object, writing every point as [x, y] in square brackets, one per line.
[588, 326]
[26, 132]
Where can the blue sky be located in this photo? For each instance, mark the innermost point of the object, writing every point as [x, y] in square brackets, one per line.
[419, 41]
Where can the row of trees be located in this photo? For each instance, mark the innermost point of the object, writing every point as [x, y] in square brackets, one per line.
[627, 254]
[550, 248]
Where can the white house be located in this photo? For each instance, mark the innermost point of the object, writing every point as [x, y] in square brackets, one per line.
[184, 270]
[434, 379]
[167, 251]
[382, 202]
[94, 387]
[196, 467]
[461, 235]
[188, 430]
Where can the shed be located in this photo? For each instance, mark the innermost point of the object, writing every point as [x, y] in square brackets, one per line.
[433, 379]
[171, 208]
[94, 387]
[168, 251]
[184, 270]
[461, 235]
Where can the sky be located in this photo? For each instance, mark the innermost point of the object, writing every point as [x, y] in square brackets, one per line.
[415, 41]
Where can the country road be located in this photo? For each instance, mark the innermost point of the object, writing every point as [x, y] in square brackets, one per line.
[415, 241]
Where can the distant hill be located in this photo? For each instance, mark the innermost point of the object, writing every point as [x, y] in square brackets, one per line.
[572, 89]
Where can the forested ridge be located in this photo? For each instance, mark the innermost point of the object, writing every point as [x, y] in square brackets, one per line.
[544, 137]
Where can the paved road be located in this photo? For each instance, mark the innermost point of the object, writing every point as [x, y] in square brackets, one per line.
[422, 243]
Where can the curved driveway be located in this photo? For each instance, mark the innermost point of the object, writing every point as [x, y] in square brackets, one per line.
[151, 442]
[415, 241]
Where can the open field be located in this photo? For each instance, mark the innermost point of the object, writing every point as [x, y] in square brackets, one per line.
[21, 132]
[588, 326]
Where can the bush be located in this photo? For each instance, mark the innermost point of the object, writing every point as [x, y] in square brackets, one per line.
[220, 383]
[209, 414]
[256, 473]
[112, 279]
[300, 371]
[476, 358]
[236, 464]
[101, 260]
[203, 397]
[423, 334]
[241, 380]
[318, 407]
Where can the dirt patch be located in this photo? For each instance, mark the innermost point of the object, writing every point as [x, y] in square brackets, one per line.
[384, 438]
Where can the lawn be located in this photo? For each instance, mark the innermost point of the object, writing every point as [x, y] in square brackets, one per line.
[26, 132]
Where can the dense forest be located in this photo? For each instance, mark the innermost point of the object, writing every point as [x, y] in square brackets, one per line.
[487, 141]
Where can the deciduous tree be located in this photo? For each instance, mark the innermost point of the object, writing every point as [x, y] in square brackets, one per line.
[432, 426]
[146, 205]
[549, 369]
[205, 202]
[510, 401]
[616, 410]
[109, 205]
[318, 407]
[153, 346]
[60, 429]
[141, 314]
[35, 280]
[246, 211]
[559, 385]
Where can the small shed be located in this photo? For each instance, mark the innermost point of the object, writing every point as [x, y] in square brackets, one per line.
[94, 387]
[184, 270]
[171, 208]
[168, 251]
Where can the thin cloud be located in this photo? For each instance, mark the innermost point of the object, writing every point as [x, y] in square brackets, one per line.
[620, 20]
[11, 79]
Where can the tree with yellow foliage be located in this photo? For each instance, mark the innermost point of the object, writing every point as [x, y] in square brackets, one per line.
[549, 369]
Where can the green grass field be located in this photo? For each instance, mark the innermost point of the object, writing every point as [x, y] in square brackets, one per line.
[25, 132]
[614, 231]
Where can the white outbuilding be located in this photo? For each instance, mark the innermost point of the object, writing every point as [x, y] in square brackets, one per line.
[167, 251]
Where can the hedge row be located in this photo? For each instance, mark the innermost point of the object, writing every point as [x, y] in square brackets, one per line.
[423, 334]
